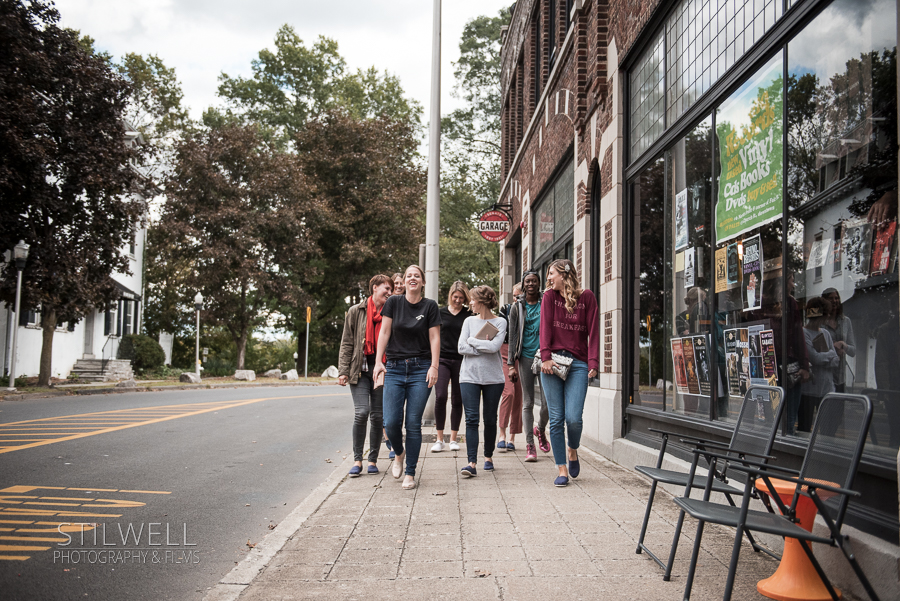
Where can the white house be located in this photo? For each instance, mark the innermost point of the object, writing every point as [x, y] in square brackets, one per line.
[93, 341]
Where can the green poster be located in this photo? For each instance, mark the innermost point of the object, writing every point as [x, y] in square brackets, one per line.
[749, 126]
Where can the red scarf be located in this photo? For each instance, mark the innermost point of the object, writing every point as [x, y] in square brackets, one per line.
[373, 327]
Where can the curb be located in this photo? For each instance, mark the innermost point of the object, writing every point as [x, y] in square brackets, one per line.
[242, 575]
[112, 390]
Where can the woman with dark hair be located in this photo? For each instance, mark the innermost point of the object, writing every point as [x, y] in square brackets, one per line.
[569, 330]
[841, 329]
[481, 376]
[823, 361]
[452, 318]
[411, 337]
[356, 363]
[524, 343]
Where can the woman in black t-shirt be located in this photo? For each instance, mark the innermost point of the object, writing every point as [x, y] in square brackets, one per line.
[409, 349]
[452, 318]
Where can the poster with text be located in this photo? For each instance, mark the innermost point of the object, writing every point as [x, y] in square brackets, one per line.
[721, 269]
[751, 272]
[681, 220]
[701, 357]
[690, 365]
[689, 271]
[882, 247]
[743, 346]
[678, 365]
[733, 362]
[857, 248]
[733, 265]
[749, 128]
[767, 339]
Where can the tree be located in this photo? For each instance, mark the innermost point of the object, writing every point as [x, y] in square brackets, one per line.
[470, 158]
[370, 192]
[65, 179]
[238, 212]
[294, 84]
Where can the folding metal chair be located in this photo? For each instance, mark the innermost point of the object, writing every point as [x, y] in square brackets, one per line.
[827, 473]
[754, 433]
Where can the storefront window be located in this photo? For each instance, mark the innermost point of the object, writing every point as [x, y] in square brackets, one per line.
[842, 199]
[554, 215]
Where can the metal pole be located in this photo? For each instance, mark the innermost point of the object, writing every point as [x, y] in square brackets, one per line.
[306, 355]
[650, 362]
[433, 211]
[197, 358]
[15, 337]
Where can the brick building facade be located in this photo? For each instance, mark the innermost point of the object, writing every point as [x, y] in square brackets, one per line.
[609, 113]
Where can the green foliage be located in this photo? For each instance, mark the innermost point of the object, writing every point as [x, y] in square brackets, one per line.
[296, 83]
[143, 352]
[470, 158]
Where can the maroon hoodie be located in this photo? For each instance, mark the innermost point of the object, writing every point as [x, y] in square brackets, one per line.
[563, 331]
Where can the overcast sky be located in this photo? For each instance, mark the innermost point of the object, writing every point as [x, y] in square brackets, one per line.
[203, 38]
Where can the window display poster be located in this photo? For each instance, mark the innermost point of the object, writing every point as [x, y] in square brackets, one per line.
[689, 270]
[681, 220]
[701, 357]
[767, 340]
[690, 366]
[743, 347]
[733, 267]
[883, 247]
[678, 364]
[749, 127]
[818, 254]
[733, 362]
[751, 270]
[721, 269]
[857, 248]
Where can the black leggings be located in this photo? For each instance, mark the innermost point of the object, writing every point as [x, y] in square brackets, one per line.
[448, 374]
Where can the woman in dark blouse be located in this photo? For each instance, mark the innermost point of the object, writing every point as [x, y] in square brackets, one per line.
[452, 318]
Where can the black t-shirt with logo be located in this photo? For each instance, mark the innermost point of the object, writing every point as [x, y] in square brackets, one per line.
[451, 326]
[409, 327]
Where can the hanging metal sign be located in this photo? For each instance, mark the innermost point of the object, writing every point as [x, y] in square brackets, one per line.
[494, 225]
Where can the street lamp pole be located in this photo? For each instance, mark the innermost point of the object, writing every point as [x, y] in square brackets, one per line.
[198, 304]
[433, 202]
[20, 253]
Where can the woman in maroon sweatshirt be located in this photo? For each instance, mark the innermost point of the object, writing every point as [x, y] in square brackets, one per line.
[569, 327]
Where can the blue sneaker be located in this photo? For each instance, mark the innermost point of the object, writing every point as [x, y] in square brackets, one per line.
[561, 481]
[574, 467]
[502, 445]
[373, 469]
[510, 446]
[488, 465]
[468, 471]
[387, 445]
[355, 471]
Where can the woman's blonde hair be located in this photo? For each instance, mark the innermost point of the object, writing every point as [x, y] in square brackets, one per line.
[571, 286]
[458, 286]
[421, 272]
[484, 295]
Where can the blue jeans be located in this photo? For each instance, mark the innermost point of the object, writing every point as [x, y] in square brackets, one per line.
[565, 400]
[405, 383]
[472, 394]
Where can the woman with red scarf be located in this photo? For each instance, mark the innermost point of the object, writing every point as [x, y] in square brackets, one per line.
[356, 366]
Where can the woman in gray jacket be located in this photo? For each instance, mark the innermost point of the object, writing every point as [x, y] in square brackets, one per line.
[524, 343]
[355, 366]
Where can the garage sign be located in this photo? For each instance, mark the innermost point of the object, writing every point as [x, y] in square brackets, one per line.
[494, 225]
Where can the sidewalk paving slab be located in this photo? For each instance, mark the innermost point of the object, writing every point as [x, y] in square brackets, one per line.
[507, 534]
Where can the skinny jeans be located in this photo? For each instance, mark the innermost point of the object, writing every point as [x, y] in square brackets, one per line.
[565, 401]
[367, 407]
[473, 397]
[448, 375]
[405, 395]
[527, 379]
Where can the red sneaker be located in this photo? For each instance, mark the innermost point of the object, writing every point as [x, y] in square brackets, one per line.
[543, 443]
[530, 453]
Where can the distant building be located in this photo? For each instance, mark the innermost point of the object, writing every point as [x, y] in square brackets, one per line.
[95, 339]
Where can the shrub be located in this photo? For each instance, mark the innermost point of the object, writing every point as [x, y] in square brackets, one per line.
[143, 351]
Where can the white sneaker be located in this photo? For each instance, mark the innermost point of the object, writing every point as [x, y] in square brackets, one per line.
[438, 447]
[454, 446]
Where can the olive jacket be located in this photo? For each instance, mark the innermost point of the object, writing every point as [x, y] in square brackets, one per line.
[353, 341]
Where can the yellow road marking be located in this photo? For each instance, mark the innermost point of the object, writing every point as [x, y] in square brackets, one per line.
[132, 417]
[40, 539]
[21, 548]
[14, 557]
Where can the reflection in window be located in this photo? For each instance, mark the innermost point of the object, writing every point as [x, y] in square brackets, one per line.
[555, 212]
[647, 98]
[842, 195]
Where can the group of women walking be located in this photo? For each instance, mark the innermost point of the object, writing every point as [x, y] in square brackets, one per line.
[396, 346]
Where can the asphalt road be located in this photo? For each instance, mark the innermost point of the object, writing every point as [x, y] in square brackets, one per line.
[198, 477]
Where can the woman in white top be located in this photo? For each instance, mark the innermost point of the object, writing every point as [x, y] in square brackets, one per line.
[481, 376]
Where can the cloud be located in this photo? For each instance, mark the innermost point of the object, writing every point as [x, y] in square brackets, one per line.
[203, 38]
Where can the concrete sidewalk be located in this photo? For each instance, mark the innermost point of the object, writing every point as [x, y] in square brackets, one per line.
[506, 535]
